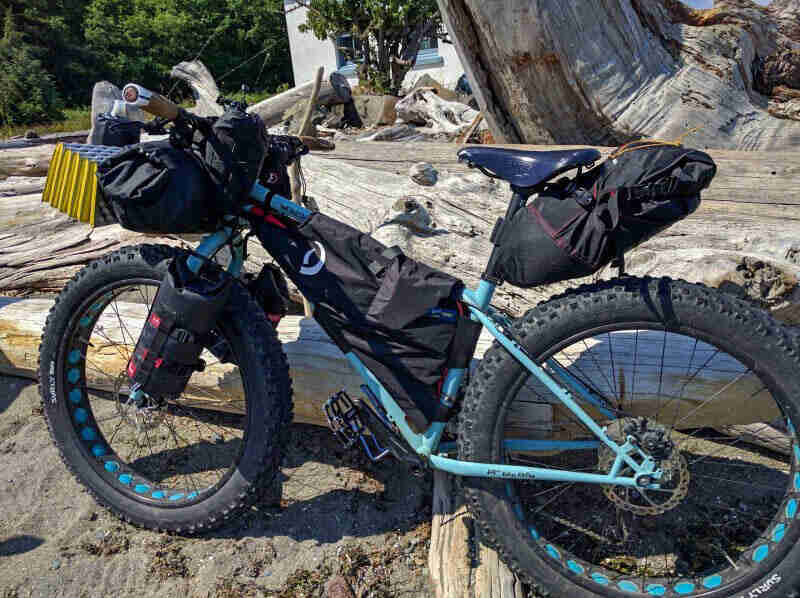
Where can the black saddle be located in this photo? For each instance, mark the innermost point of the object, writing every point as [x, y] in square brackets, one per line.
[525, 168]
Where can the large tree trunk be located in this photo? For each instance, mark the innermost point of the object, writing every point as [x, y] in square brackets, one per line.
[608, 71]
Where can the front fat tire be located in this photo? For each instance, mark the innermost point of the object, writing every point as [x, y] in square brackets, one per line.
[775, 347]
[267, 391]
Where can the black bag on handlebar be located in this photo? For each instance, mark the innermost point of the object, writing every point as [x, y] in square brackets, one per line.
[154, 187]
[234, 152]
[184, 311]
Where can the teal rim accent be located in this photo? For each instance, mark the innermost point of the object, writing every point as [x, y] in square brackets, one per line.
[683, 588]
[73, 375]
[791, 508]
[601, 579]
[797, 453]
[141, 488]
[655, 589]
[158, 494]
[534, 533]
[74, 356]
[85, 321]
[191, 496]
[81, 415]
[760, 553]
[98, 450]
[797, 481]
[177, 496]
[88, 434]
[518, 511]
[575, 567]
[778, 532]
[628, 586]
[75, 395]
[712, 582]
[111, 466]
[553, 552]
[126, 478]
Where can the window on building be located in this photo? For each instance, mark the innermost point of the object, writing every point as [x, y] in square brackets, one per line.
[348, 56]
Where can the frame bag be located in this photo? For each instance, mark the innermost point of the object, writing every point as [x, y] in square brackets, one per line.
[397, 315]
[154, 187]
[185, 309]
[575, 227]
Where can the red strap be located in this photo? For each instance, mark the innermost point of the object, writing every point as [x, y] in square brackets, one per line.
[270, 219]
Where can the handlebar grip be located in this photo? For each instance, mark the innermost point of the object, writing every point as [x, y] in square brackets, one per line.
[150, 101]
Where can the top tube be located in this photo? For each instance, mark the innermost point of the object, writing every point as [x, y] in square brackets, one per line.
[280, 204]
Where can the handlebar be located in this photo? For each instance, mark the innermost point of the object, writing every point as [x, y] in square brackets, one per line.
[150, 101]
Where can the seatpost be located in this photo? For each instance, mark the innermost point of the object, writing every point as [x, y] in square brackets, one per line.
[518, 198]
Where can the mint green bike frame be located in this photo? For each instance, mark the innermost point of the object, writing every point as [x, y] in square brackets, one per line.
[567, 389]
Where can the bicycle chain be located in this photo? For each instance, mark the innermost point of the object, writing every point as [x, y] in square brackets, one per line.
[678, 466]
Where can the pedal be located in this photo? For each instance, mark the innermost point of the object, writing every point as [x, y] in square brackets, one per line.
[345, 420]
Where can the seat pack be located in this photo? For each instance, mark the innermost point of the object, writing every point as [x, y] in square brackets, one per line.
[574, 227]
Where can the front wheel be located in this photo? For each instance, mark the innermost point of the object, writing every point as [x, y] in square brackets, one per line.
[186, 465]
[709, 384]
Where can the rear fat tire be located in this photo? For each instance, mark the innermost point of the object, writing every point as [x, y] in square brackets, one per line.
[267, 391]
[774, 348]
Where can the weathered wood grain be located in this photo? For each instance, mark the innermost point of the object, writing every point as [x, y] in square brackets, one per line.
[652, 69]
[711, 246]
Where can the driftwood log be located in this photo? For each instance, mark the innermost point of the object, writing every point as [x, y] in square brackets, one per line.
[654, 68]
[744, 237]
[271, 110]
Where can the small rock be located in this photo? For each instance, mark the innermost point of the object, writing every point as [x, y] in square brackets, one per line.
[56, 564]
[337, 587]
[424, 174]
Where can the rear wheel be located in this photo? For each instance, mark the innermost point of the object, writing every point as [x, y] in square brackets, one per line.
[696, 375]
[186, 465]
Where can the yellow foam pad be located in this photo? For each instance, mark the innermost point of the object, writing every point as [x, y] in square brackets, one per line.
[71, 185]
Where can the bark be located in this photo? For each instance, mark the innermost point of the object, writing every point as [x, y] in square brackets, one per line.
[653, 68]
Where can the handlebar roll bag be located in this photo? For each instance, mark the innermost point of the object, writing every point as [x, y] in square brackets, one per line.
[156, 188]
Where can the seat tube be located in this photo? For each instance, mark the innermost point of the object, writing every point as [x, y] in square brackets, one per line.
[518, 200]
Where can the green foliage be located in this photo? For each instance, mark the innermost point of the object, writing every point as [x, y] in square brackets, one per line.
[387, 34]
[80, 42]
[27, 91]
[140, 40]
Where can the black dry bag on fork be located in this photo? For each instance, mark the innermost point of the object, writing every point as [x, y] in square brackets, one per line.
[184, 311]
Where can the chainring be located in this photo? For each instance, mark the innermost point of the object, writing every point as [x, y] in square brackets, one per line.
[675, 475]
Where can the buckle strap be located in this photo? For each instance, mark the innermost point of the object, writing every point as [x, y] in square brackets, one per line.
[384, 259]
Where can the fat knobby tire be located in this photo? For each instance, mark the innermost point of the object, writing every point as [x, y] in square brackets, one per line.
[267, 389]
[681, 307]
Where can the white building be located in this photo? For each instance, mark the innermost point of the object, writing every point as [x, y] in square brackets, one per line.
[309, 53]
